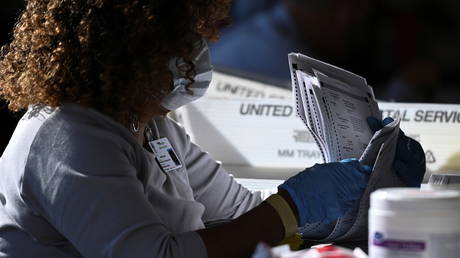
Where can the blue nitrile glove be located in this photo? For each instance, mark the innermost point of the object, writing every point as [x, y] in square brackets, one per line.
[409, 162]
[325, 192]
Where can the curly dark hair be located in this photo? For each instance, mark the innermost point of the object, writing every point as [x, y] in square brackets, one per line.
[111, 55]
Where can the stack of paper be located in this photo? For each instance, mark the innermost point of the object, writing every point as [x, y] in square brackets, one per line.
[334, 104]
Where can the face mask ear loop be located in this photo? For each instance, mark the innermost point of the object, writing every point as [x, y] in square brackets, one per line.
[183, 91]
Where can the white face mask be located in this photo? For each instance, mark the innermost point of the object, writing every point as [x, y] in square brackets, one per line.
[181, 94]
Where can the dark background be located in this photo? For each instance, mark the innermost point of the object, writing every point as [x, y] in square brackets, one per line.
[9, 11]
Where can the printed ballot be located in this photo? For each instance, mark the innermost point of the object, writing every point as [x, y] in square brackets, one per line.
[334, 104]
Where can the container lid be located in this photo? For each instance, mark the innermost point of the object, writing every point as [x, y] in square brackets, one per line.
[407, 199]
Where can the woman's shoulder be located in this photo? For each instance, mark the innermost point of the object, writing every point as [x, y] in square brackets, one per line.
[72, 133]
[86, 128]
[50, 143]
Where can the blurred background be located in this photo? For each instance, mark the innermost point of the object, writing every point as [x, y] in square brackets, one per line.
[408, 50]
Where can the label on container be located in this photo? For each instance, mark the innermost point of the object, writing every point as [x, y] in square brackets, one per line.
[399, 244]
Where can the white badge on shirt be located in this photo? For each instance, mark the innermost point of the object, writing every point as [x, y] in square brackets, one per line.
[165, 154]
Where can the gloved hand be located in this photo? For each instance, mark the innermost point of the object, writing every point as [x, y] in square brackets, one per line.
[325, 192]
[409, 162]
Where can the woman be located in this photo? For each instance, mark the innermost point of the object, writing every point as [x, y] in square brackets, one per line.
[94, 169]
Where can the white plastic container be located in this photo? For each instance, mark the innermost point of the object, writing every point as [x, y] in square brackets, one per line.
[414, 223]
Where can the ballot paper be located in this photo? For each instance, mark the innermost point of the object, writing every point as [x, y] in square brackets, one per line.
[333, 104]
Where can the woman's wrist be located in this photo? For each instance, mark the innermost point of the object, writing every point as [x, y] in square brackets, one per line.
[285, 212]
[285, 194]
[261, 224]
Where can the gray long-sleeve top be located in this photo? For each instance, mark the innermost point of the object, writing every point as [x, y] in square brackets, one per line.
[73, 182]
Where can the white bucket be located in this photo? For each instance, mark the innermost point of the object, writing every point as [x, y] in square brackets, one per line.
[414, 223]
